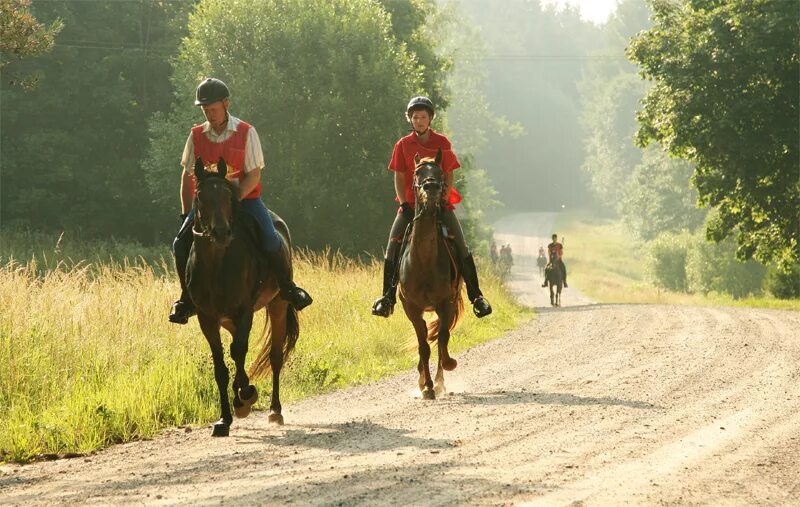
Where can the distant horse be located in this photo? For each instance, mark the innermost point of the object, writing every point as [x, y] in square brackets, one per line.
[429, 278]
[228, 284]
[552, 275]
[541, 262]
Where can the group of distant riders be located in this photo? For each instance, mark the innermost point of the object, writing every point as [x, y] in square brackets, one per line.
[553, 256]
[223, 136]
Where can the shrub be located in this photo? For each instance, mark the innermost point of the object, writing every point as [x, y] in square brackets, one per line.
[666, 261]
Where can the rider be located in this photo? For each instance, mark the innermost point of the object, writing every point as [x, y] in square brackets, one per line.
[541, 252]
[493, 253]
[223, 135]
[425, 142]
[556, 249]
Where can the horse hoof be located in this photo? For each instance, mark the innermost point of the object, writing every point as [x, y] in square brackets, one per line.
[449, 364]
[221, 429]
[428, 394]
[276, 418]
[439, 390]
[241, 411]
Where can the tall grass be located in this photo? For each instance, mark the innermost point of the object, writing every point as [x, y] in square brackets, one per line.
[87, 357]
[608, 265]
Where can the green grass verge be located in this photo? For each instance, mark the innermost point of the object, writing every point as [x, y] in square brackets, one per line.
[609, 266]
[87, 357]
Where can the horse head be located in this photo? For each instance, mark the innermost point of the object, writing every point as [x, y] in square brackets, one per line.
[428, 183]
[215, 203]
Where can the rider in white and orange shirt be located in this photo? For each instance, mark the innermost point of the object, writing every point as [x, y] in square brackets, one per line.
[235, 141]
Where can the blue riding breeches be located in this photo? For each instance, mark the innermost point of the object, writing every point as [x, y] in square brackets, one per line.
[270, 240]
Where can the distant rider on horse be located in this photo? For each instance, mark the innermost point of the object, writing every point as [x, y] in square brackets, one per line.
[556, 251]
[425, 142]
[235, 141]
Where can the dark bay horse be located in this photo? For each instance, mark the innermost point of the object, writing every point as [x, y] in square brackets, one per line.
[552, 275]
[426, 282]
[228, 284]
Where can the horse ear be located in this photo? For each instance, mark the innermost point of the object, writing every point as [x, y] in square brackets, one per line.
[417, 158]
[199, 169]
[438, 156]
[222, 167]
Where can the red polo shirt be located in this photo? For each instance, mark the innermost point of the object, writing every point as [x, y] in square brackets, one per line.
[403, 161]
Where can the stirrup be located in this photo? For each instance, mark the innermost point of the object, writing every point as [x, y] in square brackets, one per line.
[481, 307]
[297, 297]
[181, 311]
[383, 307]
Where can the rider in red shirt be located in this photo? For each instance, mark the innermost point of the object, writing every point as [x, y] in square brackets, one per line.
[556, 251]
[423, 141]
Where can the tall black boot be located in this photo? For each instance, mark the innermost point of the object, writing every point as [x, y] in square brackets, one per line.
[564, 274]
[480, 306]
[183, 308]
[296, 296]
[384, 305]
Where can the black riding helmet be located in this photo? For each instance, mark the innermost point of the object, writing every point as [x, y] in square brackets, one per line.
[211, 90]
[420, 103]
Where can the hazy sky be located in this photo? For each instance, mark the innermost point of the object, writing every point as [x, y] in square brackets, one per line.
[596, 11]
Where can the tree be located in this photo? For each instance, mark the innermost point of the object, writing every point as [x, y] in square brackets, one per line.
[22, 36]
[659, 198]
[71, 147]
[325, 84]
[725, 96]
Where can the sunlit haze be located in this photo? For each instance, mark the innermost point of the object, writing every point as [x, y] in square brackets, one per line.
[596, 11]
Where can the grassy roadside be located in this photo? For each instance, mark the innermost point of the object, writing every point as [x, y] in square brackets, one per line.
[87, 357]
[609, 267]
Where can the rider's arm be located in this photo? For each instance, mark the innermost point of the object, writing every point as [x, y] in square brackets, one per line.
[249, 182]
[400, 185]
[186, 192]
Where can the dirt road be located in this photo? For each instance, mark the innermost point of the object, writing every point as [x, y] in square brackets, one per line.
[586, 405]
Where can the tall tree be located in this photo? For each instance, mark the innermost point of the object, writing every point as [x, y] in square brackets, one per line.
[71, 147]
[725, 95]
[325, 84]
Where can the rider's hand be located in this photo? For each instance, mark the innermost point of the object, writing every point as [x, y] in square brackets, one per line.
[407, 211]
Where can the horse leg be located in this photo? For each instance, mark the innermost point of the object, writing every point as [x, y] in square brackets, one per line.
[552, 296]
[244, 394]
[447, 362]
[277, 318]
[421, 329]
[438, 384]
[210, 327]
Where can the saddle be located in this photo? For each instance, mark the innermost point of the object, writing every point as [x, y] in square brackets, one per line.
[449, 244]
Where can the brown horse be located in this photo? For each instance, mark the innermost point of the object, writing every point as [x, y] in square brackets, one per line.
[426, 282]
[228, 283]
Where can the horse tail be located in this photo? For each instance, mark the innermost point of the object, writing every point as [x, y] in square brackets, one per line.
[262, 366]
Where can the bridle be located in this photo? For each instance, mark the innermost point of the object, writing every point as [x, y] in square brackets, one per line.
[200, 229]
[424, 208]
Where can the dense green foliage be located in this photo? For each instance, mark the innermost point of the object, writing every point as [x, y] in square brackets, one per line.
[71, 147]
[686, 262]
[658, 197]
[725, 96]
[22, 36]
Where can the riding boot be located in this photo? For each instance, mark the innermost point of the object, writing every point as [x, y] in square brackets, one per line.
[564, 275]
[384, 305]
[183, 308]
[480, 306]
[290, 292]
